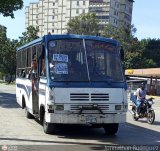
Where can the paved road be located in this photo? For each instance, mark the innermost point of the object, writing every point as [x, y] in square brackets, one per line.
[15, 129]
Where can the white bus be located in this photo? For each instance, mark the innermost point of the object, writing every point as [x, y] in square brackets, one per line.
[77, 80]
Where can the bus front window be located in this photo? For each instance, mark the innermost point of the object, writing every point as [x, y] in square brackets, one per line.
[98, 61]
[67, 61]
[104, 62]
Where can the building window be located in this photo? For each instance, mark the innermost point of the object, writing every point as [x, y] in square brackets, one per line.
[77, 3]
[108, 3]
[84, 3]
[77, 11]
[114, 12]
[53, 4]
[52, 17]
[130, 10]
[52, 30]
[83, 10]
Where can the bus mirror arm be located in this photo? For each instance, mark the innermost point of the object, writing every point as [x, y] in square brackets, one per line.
[90, 108]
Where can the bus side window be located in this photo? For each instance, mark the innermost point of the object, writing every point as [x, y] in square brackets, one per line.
[43, 68]
[41, 60]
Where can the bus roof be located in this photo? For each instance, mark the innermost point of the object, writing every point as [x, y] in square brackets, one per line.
[66, 36]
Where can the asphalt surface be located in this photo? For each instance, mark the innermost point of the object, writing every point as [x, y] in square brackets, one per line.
[20, 133]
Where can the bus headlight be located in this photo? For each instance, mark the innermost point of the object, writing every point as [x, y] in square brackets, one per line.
[50, 107]
[117, 107]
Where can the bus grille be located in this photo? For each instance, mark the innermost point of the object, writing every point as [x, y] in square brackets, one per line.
[88, 97]
[79, 96]
[99, 97]
[76, 108]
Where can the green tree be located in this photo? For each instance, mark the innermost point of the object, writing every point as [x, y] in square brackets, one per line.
[8, 58]
[151, 51]
[7, 7]
[3, 39]
[86, 24]
[3, 35]
[131, 45]
[29, 35]
[8, 54]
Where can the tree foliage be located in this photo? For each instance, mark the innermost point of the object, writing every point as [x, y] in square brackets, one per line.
[29, 35]
[7, 7]
[152, 51]
[8, 53]
[136, 55]
[8, 49]
[8, 57]
[86, 24]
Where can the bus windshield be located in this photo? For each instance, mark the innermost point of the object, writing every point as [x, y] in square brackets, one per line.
[84, 60]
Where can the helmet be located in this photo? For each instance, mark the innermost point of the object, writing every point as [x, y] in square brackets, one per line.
[142, 85]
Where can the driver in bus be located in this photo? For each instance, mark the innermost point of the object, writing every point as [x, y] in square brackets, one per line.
[75, 67]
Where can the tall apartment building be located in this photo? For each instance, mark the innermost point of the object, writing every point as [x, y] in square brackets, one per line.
[53, 15]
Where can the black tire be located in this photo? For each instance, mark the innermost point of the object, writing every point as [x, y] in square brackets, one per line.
[111, 129]
[134, 113]
[49, 128]
[28, 115]
[151, 117]
[135, 118]
[133, 109]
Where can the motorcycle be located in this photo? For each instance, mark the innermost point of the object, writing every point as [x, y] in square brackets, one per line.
[146, 110]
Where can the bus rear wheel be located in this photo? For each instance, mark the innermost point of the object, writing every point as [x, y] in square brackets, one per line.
[28, 115]
[111, 129]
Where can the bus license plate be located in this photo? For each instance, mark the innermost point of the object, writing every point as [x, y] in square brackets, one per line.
[91, 119]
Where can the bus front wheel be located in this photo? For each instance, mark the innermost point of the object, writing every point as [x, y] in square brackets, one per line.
[111, 128]
[49, 128]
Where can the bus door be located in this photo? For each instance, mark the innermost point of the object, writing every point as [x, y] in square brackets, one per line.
[42, 75]
[35, 81]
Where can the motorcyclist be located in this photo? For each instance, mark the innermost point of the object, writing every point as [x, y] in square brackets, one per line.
[141, 96]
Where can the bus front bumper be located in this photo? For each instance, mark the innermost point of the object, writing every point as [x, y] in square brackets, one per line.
[85, 118]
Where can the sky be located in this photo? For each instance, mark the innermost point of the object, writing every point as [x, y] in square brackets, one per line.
[145, 18]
